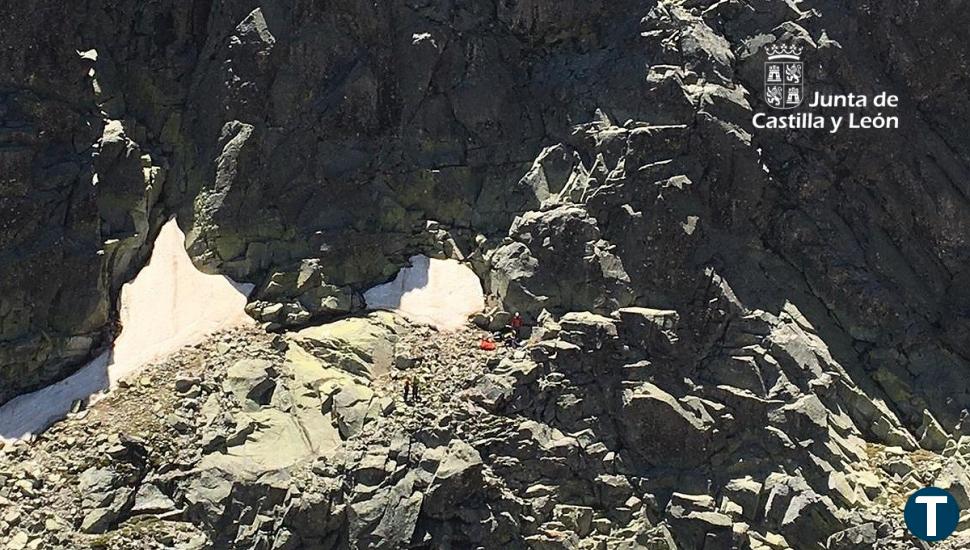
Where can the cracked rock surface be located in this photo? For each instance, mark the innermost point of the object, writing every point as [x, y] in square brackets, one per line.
[583, 437]
[739, 337]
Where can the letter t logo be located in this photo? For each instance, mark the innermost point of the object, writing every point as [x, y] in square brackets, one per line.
[931, 502]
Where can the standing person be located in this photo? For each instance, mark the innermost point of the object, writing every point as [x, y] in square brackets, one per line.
[407, 388]
[517, 323]
[414, 389]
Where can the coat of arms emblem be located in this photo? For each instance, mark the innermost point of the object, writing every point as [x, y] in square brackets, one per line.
[784, 76]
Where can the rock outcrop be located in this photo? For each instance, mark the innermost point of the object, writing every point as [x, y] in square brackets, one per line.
[582, 157]
[739, 337]
[584, 438]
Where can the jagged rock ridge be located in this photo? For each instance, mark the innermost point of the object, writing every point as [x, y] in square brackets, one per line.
[595, 163]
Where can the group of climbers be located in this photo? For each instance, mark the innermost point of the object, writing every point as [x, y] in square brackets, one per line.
[412, 386]
[511, 336]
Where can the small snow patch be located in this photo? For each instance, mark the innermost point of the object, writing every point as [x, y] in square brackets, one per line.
[440, 293]
[168, 305]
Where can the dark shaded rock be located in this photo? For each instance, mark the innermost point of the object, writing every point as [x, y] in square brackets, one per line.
[107, 497]
[457, 478]
[733, 313]
[662, 431]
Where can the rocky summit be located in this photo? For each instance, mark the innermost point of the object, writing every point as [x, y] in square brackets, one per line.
[728, 334]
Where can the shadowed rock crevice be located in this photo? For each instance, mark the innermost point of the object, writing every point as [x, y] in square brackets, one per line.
[741, 337]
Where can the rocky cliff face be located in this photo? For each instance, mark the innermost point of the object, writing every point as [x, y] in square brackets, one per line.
[714, 294]
[594, 435]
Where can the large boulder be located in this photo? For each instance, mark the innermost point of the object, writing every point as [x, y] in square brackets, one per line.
[659, 429]
[362, 346]
[548, 253]
[457, 478]
[251, 382]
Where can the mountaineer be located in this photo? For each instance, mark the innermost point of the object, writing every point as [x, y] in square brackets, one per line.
[516, 323]
[515, 330]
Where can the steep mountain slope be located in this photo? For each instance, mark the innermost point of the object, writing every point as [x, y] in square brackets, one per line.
[789, 303]
[589, 437]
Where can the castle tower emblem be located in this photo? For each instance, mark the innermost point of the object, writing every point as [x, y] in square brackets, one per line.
[784, 76]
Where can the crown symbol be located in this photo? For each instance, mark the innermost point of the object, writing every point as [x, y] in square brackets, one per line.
[783, 51]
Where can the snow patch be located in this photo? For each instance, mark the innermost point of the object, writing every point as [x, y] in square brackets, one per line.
[440, 293]
[169, 305]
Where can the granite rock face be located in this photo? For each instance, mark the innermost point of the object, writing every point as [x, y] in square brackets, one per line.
[731, 325]
[588, 437]
[584, 156]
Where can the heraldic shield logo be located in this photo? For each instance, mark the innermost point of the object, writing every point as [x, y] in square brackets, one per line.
[784, 76]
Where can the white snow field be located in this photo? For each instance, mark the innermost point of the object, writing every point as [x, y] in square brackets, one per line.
[440, 293]
[170, 304]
